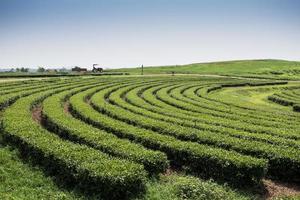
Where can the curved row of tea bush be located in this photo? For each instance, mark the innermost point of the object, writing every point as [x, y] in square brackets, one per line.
[57, 120]
[152, 97]
[15, 84]
[296, 107]
[215, 102]
[289, 97]
[192, 93]
[262, 125]
[243, 84]
[163, 96]
[18, 89]
[278, 156]
[141, 107]
[227, 113]
[8, 99]
[105, 134]
[223, 98]
[89, 168]
[237, 109]
[209, 161]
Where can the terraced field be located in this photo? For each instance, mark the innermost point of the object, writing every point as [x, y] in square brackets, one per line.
[133, 137]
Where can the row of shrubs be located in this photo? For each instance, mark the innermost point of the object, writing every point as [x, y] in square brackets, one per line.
[278, 155]
[7, 99]
[241, 107]
[243, 84]
[296, 108]
[17, 84]
[162, 111]
[25, 86]
[159, 120]
[202, 159]
[219, 118]
[194, 94]
[6, 86]
[226, 119]
[88, 168]
[188, 94]
[73, 129]
[207, 119]
[280, 101]
[18, 89]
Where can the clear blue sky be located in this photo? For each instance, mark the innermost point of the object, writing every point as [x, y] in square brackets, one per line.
[126, 33]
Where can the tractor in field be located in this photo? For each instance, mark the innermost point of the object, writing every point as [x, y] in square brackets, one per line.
[97, 69]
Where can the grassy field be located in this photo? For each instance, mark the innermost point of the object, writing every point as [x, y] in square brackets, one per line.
[279, 69]
[152, 137]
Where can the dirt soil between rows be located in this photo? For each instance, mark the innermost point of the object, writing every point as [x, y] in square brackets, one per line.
[37, 113]
[280, 189]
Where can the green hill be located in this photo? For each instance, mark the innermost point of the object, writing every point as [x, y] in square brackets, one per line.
[267, 68]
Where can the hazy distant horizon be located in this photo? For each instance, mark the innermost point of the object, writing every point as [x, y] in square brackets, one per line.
[107, 67]
[129, 33]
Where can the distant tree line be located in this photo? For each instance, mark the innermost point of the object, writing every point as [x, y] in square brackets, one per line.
[41, 69]
[22, 69]
[60, 71]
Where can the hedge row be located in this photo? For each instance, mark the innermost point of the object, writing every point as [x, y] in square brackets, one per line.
[180, 94]
[243, 123]
[89, 169]
[65, 125]
[154, 96]
[243, 106]
[202, 159]
[290, 117]
[140, 107]
[223, 118]
[6, 100]
[193, 94]
[25, 85]
[216, 111]
[287, 98]
[15, 84]
[296, 108]
[278, 155]
[280, 101]
[244, 84]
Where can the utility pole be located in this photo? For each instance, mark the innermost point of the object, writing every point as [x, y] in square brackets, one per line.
[142, 69]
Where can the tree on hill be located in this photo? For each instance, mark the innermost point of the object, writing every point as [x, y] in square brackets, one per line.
[24, 69]
[41, 70]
